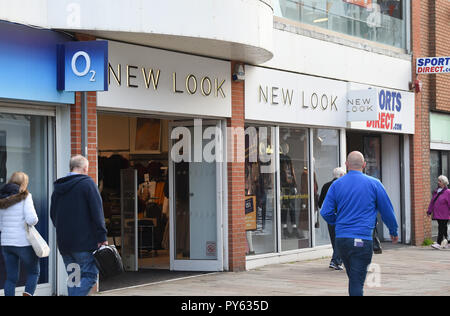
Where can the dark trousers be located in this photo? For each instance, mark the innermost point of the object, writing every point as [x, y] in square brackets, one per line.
[336, 258]
[443, 234]
[357, 259]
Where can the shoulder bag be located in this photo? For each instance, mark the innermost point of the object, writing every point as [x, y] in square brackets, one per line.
[38, 243]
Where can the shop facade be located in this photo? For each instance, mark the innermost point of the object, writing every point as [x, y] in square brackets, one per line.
[298, 130]
[161, 165]
[34, 127]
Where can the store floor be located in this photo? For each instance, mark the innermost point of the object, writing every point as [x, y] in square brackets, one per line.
[144, 276]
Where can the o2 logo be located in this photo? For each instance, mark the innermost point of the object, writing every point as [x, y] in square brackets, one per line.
[83, 66]
[87, 68]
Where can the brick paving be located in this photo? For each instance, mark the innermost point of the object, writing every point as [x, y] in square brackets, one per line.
[400, 271]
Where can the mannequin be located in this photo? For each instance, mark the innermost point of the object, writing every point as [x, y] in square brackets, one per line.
[289, 191]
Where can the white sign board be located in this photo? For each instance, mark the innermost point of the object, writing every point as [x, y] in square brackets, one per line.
[284, 97]
[160, 81]
[362, 105]
[433, 65]
[395, 112]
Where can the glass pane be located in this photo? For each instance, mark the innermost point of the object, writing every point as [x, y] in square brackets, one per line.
[294, 186]
[445, 164]
[326, 159]
[195, 202]
[128, 188]
[435, 172]
[24, 147]
[380, 21]
[260, 190]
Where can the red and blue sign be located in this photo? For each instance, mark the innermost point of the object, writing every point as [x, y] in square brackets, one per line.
[433, 65]
[83, 66]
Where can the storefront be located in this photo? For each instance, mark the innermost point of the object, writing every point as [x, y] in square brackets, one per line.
[34, 127]
[440, 152]
[297, 132]
[295, 136]
[385, 142]
[162, 172]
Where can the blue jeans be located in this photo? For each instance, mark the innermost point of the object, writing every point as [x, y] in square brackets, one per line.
[13, 256]
[356, 261]
[82, 271]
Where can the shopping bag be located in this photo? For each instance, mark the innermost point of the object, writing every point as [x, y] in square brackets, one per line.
[38, 243]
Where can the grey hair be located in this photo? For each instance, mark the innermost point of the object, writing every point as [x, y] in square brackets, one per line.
[443, 179]
[338, 172]
[78, 162]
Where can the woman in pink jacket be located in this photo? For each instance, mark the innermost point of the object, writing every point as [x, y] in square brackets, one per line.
[440, 208]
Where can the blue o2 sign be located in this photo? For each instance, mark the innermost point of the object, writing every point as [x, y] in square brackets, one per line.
[83, 66]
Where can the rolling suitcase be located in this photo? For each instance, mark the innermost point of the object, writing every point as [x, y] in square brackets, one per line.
[108, 261]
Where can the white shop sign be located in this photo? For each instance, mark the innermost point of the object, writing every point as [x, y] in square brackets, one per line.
[395, 112]
[284, 97]
[362, 105]
[160, 81]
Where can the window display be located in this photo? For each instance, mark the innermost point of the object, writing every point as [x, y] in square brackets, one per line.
[260, 189]
[294, 186]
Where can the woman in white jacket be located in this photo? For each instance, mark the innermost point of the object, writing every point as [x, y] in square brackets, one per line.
[16, 209]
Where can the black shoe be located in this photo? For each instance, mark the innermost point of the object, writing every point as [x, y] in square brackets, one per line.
[378, 251]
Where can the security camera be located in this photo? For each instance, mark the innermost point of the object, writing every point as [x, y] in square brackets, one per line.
[239, 74]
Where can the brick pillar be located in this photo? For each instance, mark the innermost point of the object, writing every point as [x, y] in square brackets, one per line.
[75, 124]
[420, 149]
[236, 182]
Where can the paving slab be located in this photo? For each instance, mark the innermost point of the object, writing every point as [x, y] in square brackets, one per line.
[399, 271]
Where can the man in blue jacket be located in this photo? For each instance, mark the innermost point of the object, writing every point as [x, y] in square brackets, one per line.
[77, 213]
[351, 204]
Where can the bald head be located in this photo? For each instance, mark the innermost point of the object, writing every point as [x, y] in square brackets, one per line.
[355, 161]
[79, 164]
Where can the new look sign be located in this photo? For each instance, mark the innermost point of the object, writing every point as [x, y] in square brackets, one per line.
[83, 66]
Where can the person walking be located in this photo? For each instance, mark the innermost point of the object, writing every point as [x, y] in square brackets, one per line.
[336, 261]
[440, 209]
[352, 203]
[16, 210]
[77, 213]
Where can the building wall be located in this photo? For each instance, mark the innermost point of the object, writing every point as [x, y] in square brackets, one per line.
[429, 38]
[442, 48]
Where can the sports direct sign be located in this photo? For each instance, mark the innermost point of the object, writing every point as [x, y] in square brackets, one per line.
[433, 65]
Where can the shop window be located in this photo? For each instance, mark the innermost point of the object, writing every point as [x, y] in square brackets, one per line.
[439, 165]
[24, 147]
[294, 189]
[260, 190]
[381, 21]
[326, 159]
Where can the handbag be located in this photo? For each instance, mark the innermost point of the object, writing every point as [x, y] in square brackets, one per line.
[108, 261]
[38, 243]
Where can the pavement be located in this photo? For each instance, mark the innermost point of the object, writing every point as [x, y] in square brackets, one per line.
[399, 271]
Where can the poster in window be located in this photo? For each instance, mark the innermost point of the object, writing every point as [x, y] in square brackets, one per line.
[145, 134]
[361, 3]
[250, 213]
[372, 154]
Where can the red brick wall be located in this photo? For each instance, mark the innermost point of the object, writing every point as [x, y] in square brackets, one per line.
[429, 38]
[75, 122]
[442, 48]
[236, 185]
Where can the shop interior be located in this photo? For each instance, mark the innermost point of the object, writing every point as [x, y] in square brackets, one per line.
[133, 155]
